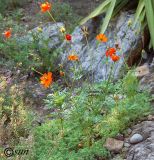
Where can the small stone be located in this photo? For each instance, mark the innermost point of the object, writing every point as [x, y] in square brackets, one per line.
[142, 71]
[18, 72]
[125, 149]
[136, 138]
[120, 137]
[151, 117]
[129, 131]
[127, 145]
[114, 145]
[118, 158]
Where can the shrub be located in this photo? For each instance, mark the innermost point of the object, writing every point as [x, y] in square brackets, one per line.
[29, 54]
[85, 118]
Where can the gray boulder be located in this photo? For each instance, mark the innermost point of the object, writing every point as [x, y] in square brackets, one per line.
[49, 35]
[93, 59]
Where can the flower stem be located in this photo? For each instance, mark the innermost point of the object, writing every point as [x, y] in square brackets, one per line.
[109, 77]
[52, 17]
[36, 71]
[62, 126]
[87, 42]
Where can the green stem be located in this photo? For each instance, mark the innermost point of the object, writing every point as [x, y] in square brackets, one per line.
[36, 71]
[52, 17]
[87, 42]
[62, 126]
[109, 77]
[61, 121]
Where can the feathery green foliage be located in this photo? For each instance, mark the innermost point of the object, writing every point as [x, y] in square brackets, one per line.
[85, 118]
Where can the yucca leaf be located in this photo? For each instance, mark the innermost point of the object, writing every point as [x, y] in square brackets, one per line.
[119, 1]
[150, 18]
[150, 44]
[119, 5]
[139, 10]
[142, 16]
[108, 16]
[152, 4]
[99, 10]
[144, 24]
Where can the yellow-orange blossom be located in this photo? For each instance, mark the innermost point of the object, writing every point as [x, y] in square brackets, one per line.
[45, 7]
[46, 79]
[73, 57]
[101, 37]
[7, 34]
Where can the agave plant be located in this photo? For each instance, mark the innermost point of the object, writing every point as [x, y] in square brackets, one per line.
[144, 14]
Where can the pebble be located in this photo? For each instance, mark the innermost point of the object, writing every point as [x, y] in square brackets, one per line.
[129, 131]
[136, 138]
[151, 117]
[127, 145]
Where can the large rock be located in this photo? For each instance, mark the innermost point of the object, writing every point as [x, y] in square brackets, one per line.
[47, 34]
[93, 58]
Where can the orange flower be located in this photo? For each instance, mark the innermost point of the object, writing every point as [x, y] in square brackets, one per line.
[68, 37]
[7, 33]
[62, 73]
[46, 79]
[115, 58]
[73, 57]
[45, 7]
[101, 37]
[110, 52]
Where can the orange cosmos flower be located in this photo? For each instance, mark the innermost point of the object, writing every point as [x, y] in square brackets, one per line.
[110, 52]
[68, 37]
[46, 79]
[73, 57]
[62, 73]
[115, 58]
[45, 7]
[7, 34]
[101, 37]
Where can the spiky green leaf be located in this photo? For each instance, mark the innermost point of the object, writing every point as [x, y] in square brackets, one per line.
[150, 18]
[108, 16]
[139, 10]
[99, 10]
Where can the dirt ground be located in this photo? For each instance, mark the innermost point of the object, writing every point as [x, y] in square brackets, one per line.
[83, 7]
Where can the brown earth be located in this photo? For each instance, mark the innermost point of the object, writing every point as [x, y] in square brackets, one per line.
[83, 7]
